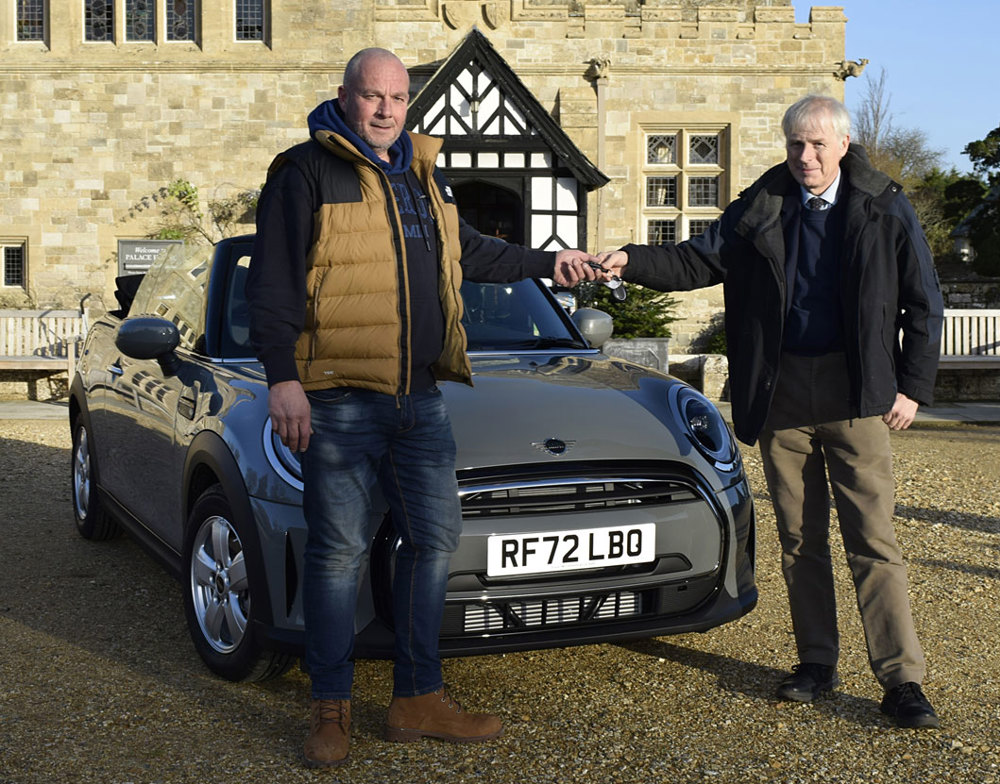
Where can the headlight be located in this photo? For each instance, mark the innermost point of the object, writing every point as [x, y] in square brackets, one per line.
[284, 462]
[707, 429]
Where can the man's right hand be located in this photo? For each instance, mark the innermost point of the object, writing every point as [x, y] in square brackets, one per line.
[290, 414]
[573, 266]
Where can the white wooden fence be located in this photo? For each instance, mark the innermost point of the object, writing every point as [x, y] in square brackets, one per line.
[970, 338]
[49, 339]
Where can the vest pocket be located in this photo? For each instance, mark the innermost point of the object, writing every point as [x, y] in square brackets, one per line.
[330, 395]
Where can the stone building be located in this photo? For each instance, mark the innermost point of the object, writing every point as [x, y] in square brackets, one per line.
[576, 123]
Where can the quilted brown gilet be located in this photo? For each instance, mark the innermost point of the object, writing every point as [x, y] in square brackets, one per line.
[357, 310]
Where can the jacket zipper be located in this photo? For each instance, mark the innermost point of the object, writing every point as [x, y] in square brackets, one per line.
[404, 293]
[313, 339]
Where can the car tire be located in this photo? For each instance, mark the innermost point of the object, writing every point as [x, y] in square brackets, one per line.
[217, 597]
[92, 521]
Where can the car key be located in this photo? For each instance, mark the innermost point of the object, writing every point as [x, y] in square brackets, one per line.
[616, 284]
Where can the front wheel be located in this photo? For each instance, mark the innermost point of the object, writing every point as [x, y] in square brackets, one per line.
[217, 599]
[92, 521]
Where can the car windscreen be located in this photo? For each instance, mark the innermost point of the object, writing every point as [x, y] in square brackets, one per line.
[174, 289]
[498, 317]
[515, 316]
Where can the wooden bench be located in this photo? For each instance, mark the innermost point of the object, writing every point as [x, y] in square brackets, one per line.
[44, 341]
[970, 339]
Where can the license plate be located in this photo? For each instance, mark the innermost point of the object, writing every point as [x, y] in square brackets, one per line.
[557, 551]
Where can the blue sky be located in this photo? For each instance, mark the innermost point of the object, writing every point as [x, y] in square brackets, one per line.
[941, 66]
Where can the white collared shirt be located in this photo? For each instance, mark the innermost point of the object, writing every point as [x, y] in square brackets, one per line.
[829, 195]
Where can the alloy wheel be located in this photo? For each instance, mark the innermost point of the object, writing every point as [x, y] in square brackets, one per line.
[219, 585]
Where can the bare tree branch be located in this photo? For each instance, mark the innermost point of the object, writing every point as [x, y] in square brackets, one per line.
[902, 153]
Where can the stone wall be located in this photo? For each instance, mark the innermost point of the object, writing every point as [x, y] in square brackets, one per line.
[966, 385]
[91, 132]
[95, 149]
[32, 385]
[981, 293]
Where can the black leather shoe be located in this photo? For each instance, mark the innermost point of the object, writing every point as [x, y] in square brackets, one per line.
[908, 706]
[807, 681]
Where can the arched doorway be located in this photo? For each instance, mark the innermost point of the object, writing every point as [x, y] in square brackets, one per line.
[494, 211]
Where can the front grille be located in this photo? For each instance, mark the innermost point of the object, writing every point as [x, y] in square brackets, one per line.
[531, 617]
[515, 615]
[556, 605]
[569, 494]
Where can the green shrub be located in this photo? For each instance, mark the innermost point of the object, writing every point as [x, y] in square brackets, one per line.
[645, 313]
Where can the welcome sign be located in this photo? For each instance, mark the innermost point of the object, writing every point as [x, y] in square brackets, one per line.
[135, 256]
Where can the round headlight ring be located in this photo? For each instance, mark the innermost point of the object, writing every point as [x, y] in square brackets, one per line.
[284, 462]
[706, 427]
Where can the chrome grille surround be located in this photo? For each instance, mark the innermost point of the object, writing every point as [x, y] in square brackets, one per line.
[550, 495]
[493, 496]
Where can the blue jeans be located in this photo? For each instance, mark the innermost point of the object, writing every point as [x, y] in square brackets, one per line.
[362, 438]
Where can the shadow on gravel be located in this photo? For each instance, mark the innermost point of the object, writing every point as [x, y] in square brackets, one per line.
[953, 518]
[955, 566]
[109, 597]
[756, 681]
[109, 611]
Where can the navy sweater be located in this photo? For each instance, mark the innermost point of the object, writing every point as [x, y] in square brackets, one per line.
[815, 246]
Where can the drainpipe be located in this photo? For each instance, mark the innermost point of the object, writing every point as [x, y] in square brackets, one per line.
[599, 72]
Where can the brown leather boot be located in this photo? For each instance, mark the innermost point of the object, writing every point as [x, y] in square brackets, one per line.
[329, 733]
[437, 715]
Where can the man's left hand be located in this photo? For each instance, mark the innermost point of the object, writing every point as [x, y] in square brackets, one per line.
[902, 413]
[573, 266]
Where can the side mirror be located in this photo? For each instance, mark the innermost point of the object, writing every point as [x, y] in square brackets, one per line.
[595, 325]
[566, 300]
[148, 337]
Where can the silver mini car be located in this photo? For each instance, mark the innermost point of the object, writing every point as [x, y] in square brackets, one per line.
[601, 500]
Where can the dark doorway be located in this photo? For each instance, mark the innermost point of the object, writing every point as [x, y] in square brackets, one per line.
[495, 211]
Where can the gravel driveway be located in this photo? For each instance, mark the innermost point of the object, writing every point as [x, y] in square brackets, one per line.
[100, 682]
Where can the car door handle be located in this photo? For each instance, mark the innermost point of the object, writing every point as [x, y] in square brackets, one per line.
[187, 403]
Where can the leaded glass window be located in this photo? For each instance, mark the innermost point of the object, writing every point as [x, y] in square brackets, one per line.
[30, 20]
[684, 182]
[703, 148]
[139, 20]
[660, 232]
[250, 20]
[661, 148]
[661, 191]
[180, 20]
[99, 20]
[13, 265]
[698, 226]
[703, 191]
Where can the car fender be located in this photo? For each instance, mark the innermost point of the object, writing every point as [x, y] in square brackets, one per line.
[79, 411]
[77, 402]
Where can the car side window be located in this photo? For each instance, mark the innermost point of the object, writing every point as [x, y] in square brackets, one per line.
[237, 312]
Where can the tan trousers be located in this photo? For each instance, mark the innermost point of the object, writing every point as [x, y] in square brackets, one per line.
[808, 437]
